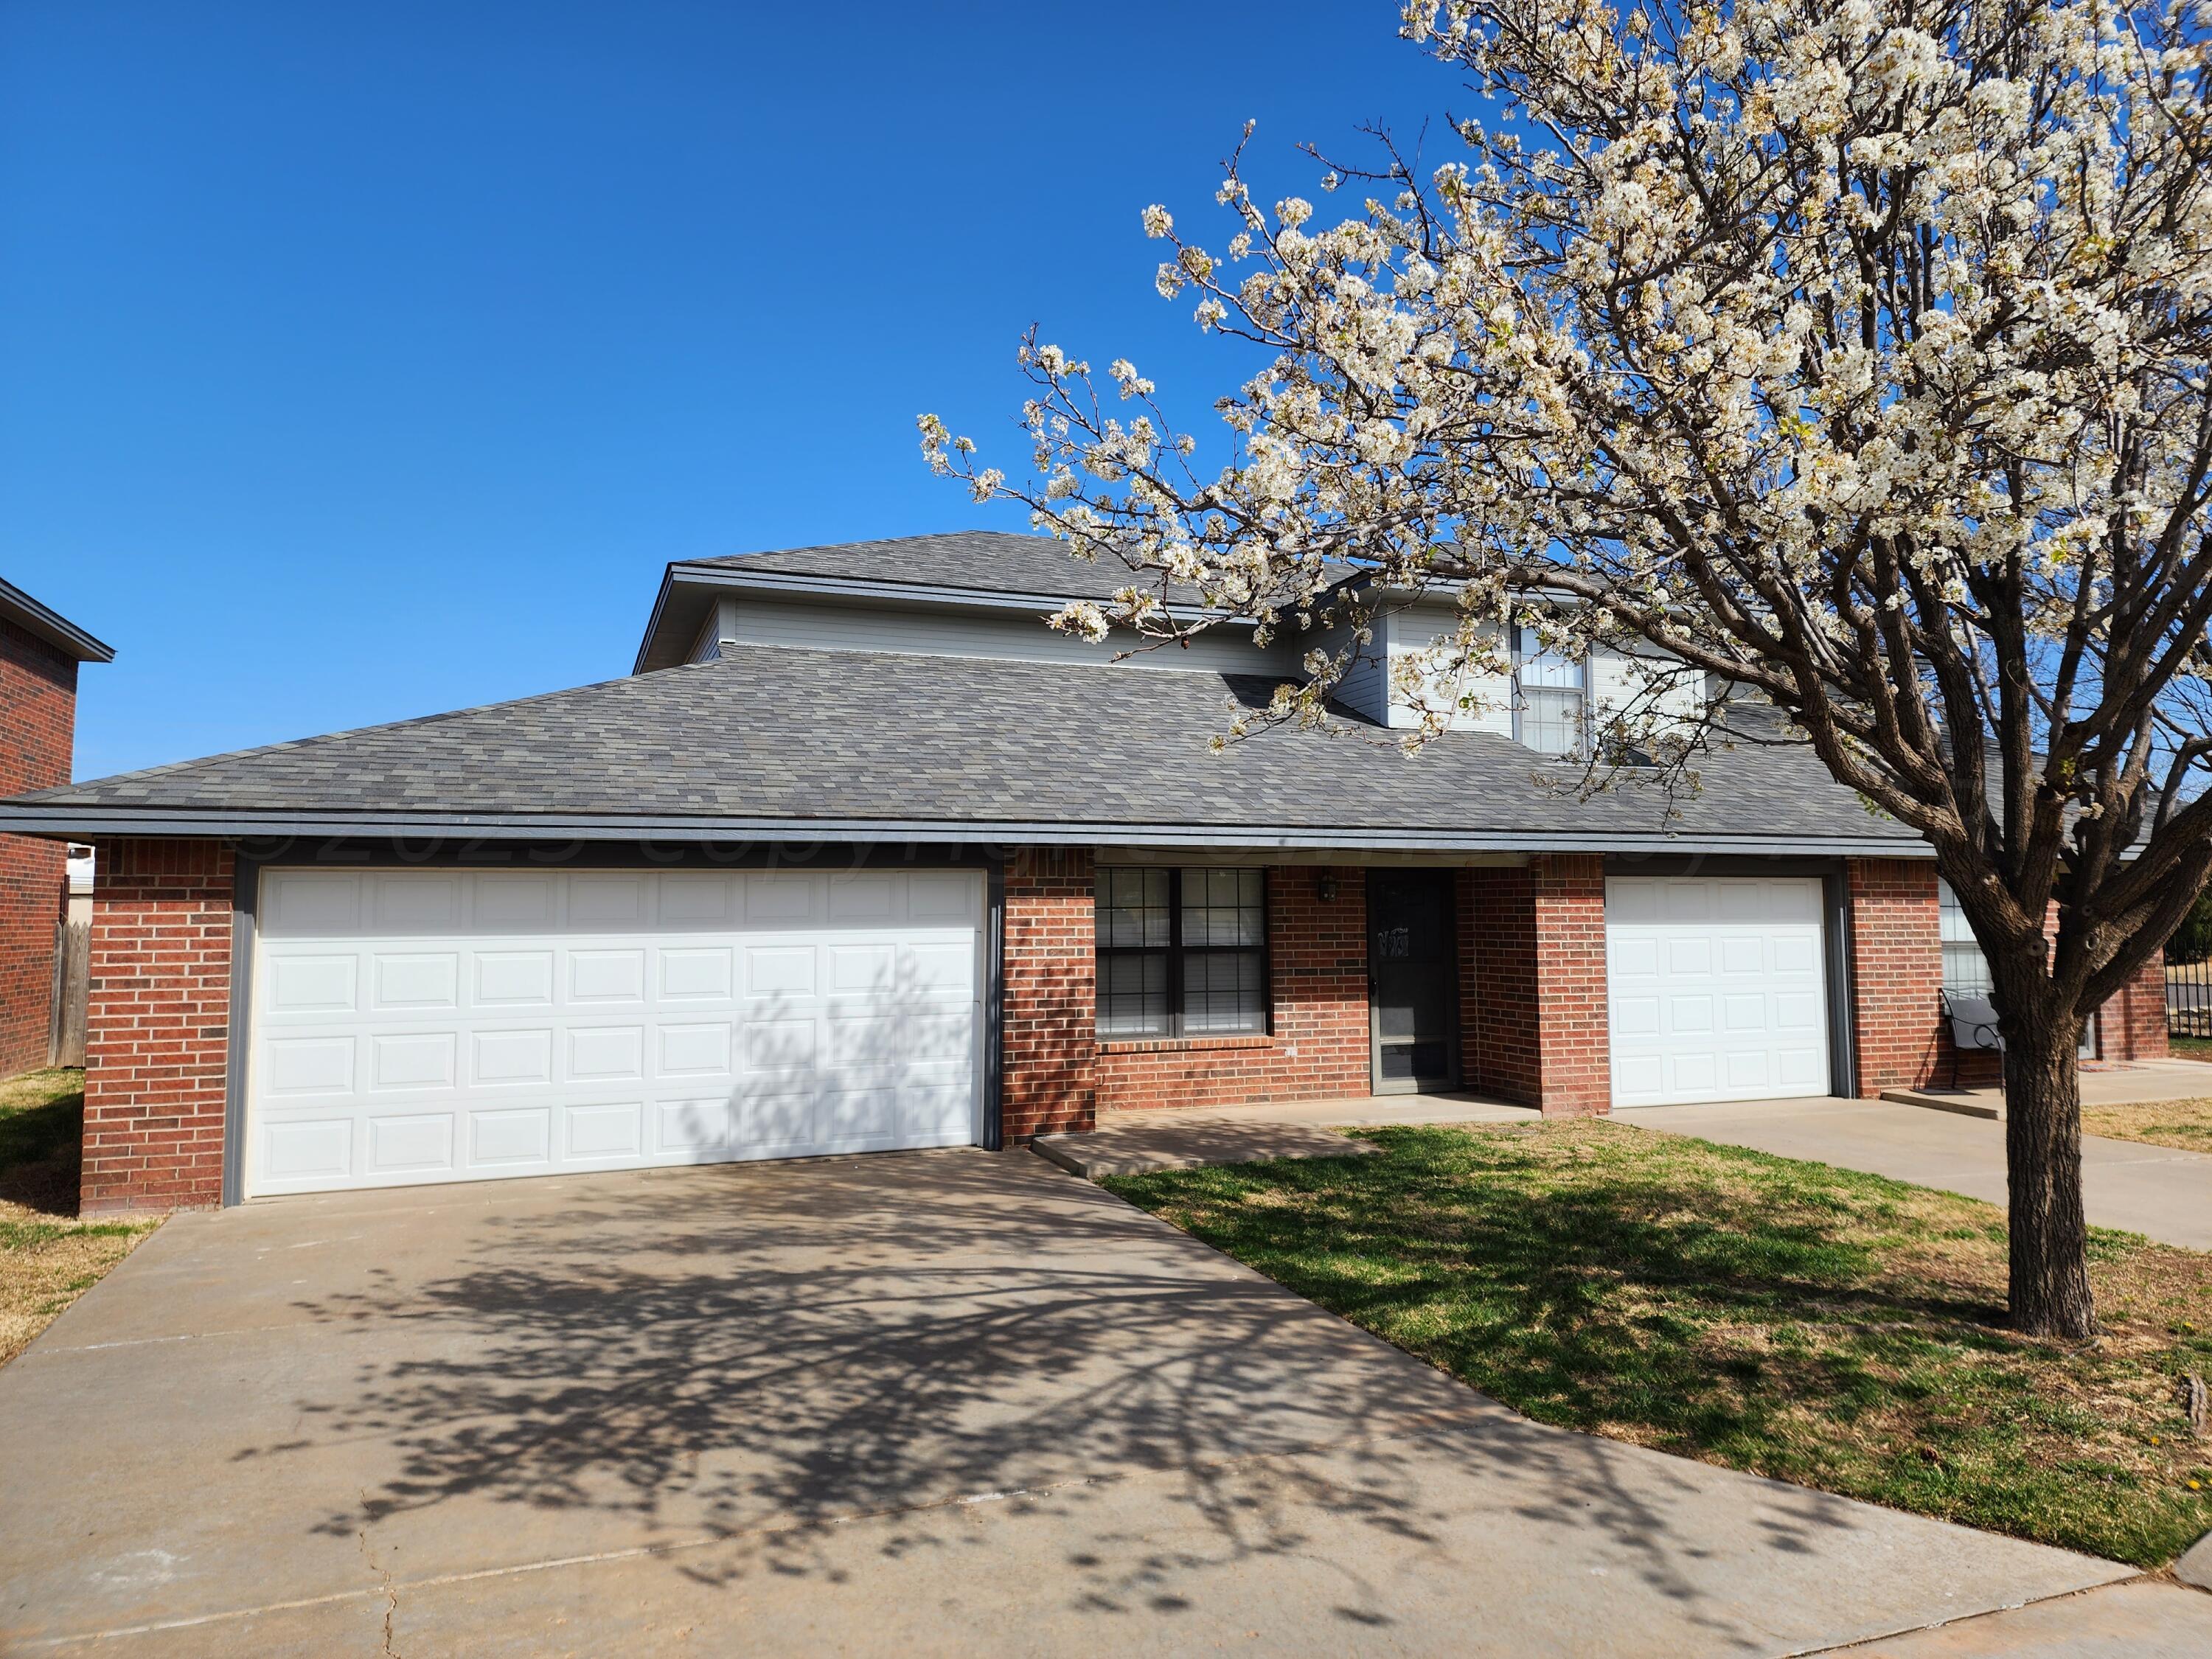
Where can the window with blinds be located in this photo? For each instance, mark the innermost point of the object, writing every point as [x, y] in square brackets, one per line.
[1181, 952]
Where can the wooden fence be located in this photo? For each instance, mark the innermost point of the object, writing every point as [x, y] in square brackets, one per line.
[72, 983]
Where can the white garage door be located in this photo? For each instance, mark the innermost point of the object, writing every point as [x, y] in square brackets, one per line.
[443, 1025]
[1716, 989]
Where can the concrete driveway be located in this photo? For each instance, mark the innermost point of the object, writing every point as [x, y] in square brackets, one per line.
[2157, 1191]
[934, 1403]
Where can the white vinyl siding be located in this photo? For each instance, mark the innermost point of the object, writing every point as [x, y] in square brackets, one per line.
[1014, 636]
[416, 1026]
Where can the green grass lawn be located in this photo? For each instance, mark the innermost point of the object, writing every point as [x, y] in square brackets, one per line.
[48, 1258]
[2184, 1048]
[1798, 1320]
[2186, 1124]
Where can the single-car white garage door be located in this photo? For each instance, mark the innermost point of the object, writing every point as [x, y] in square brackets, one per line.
[1715, 988]
[416, 1026]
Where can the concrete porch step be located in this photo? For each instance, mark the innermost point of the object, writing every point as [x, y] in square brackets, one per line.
[1192, 1143]
[1967, 1103]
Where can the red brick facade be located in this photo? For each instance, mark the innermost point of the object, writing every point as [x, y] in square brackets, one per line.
[1318, 1049]
[1532, 1003]
[1532, 984]
[1049, 1046]
[2132, 1026]
[38, 723]
[1897, 971]
[157, 1060]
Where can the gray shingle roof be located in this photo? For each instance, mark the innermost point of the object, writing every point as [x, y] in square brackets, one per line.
[982, 560]
[773, 740]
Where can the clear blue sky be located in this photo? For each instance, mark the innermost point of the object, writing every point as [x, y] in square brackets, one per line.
[360, 362]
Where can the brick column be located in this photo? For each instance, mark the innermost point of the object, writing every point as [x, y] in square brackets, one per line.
[2132, 1026]
[1532, 1015]
[157, 1062]
[1049, 1079]
[38, 722]
[1897, 970]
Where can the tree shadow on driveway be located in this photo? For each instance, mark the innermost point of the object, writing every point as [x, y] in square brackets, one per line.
[754, 1357]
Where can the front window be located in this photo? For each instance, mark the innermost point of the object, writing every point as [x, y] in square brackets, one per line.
[1552, 687]
[1181, 952]
[1965, 970]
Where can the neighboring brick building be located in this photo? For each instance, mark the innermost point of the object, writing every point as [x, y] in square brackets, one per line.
[861, 858]
[39, 652]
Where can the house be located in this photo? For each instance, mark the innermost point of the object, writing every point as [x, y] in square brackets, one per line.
[40, 652]
[860, 856]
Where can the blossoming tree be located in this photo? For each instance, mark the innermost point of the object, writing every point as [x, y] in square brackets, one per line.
[1852, 353]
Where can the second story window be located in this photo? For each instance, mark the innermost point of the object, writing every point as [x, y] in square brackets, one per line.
[1181, 952]
[1551, 706]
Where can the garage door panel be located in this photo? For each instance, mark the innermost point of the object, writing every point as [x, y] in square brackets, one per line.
[704, 975]
[314, 1151]
[692, 1051]
[860, 898]
[511, 904]
[315, 985]
[603, 1131]
[1636, 1017]
[606, 901]
[413, 1143]
[510, 1135]
[312, 902]
[691, 1126]
[683, 902]
[1634, 958]
[414, 905]
[416, 1026]
[302, 1066]
[1689, 1014]
[604, 976]
[416, 982]
[1733, 969]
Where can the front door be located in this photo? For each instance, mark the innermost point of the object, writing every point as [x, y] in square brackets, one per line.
[1413, 968]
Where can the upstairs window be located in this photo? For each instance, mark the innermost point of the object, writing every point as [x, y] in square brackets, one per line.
[1181, 952]
[1551, 704]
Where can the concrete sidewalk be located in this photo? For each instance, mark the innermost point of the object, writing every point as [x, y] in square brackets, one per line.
[2113, 1084]
[2156, 1191]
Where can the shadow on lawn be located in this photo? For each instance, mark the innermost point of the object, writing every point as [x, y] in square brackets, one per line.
[750, 1355]
[1651, 1300]
[40, 1146]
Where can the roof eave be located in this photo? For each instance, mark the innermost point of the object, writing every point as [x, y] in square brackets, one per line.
[45, 623]
[61, 821]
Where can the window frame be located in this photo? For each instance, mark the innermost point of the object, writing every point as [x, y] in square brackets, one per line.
[1581, 664]
[1177, 953]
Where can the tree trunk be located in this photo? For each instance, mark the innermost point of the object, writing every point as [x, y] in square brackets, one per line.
[2049, 1236]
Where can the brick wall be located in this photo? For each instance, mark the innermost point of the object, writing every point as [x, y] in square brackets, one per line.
[159, 1031]
[1050, 1021]
[38, 719]
[1317, 1049]
[1897, 970]
[2132, 1026]
[1500, 1048]
[1533, 990]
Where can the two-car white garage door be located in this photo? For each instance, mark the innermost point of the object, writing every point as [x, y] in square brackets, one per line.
[1716, 987]
[417, 1026]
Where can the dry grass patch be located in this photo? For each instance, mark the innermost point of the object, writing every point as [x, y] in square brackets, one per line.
[47, 1257]
[1791, 1319]
[2185, 1124]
